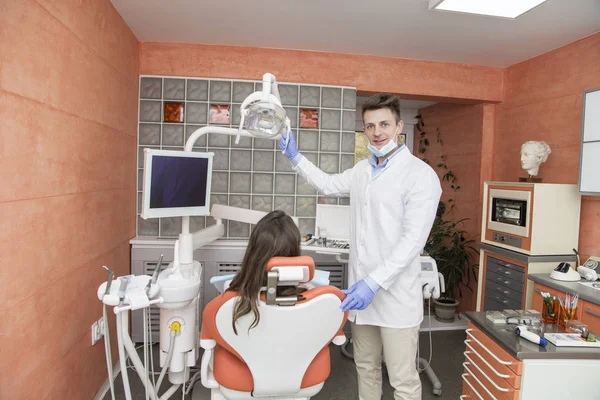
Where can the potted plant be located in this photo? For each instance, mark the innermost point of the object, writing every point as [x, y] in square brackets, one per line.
[448, 244]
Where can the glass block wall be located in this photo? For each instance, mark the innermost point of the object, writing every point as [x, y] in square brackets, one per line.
[254, 173]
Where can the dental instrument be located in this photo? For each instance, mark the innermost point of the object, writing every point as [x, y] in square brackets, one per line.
[176, 289]
[522, 331]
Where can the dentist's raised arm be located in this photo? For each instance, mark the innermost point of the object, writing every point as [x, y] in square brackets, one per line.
[327, 184]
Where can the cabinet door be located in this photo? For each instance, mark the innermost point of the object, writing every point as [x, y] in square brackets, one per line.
[590, 315]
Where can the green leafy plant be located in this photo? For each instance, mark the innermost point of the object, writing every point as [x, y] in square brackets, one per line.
[448, 243]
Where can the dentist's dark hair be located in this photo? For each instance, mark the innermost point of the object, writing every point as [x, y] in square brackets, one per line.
[275, 235]
[383, 100]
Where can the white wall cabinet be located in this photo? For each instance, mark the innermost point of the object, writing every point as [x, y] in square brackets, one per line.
[589, 162]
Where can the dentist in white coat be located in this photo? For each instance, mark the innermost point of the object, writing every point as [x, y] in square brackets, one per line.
[393, 199]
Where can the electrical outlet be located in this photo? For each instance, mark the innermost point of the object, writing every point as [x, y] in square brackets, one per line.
[97, 331]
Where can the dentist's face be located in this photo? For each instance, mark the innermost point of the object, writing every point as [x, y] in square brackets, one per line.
[529, 158]
[381, 127]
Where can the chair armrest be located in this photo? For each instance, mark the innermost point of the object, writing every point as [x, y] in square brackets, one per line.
[206, 370]
[339, 340]
[207, 344]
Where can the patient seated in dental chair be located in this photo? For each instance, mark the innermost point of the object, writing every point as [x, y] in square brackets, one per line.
[267, 334]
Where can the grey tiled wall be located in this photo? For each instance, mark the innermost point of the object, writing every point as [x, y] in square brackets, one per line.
[253, 174]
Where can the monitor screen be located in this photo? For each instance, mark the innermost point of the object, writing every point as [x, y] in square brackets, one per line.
[176, 183]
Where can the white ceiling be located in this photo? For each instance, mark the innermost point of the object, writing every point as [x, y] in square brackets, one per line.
[388, 28]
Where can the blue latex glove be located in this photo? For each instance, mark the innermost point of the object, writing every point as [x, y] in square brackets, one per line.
[292, 150]
[358, 296]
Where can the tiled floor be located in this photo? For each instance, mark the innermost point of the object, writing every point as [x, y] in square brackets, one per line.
[448, 348]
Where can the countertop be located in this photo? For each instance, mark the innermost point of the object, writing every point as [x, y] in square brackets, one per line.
[504, 336]
[585, 292]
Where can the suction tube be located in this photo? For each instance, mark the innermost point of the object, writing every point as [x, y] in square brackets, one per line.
[122, 357]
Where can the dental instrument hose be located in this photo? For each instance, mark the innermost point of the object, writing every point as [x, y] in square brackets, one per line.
[108, 353]
[122, 356]
[169, 357]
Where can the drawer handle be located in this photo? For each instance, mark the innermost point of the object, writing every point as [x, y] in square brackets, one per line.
[594, 313]
[468, 331]
[502, 301]
[484, 360]
[478, 381]
[486, 377]
[506, 272]
[471, 386]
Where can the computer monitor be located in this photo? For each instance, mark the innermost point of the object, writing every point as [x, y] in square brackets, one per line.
[176, 183]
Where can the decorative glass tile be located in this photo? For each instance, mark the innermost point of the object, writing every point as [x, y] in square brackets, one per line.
[170, 226]
[245, 143]
[150, 88]
[241, 160]
[196, 113]
[306, 226]
[312, 157]
[197, 89]
[240, 182]
[348, 142]
[258, 86]
[330, 119]
[328, 200]
[139, 202]
[218, 199]
[349, 121]
[220, 91]
[174, 89]
[263, 160]
[220, 159]
[350, 99]
[241, 90]
[282, 163]
[284, 203]
[306, 206]
[332, 97]
[172, 135]
[262, 183]
[219, 182]
[218, 140]
[140, 178]
[262, 203]
[347, 162]
[330, 141]
[235, 115]
[260, 143]
[150, 111]
[239, 201]
[190, 129]
[210, 221]
[219, 114]
[309, 118]
[173, 111]
[285, 184]
[330, 163]
[344, 201]
[292, 114]
[149, 134]
[310, 96]
[303, 187]
[147, 227]
[308, 140]
[197, 223]
[288, 94]
[238, 230]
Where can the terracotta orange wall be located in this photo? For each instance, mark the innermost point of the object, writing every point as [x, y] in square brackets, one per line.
[461, 130]
[366, 73]
[543, 101]
[68, 105]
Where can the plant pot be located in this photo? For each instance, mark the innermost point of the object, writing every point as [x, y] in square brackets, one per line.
[445, 309]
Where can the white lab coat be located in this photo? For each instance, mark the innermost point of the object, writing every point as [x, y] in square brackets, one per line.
[391, 216]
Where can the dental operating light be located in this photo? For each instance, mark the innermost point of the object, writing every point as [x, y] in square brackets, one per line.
[495, 8]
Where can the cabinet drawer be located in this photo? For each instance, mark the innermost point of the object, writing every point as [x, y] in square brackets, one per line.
[484, 387]
[471, 389]
[493, 353]
[500, 301]
[504, 281]
[506, 270]
[496, 289]
[500, 373]
[590, 315]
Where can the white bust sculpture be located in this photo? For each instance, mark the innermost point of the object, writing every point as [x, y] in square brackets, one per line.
[532, 155]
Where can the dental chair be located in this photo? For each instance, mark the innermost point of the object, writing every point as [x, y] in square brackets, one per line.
[286, 355]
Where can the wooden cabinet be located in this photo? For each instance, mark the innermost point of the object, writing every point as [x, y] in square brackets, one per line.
[590, 315]
[490, 372]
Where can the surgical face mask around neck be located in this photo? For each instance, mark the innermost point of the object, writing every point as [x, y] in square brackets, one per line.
[389, 146]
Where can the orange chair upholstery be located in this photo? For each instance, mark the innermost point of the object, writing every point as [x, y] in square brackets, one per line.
[287, 354]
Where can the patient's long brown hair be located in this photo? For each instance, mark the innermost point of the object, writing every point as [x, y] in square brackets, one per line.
[275, 235]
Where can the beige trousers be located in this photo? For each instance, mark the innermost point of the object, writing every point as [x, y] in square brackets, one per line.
[399, 347]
